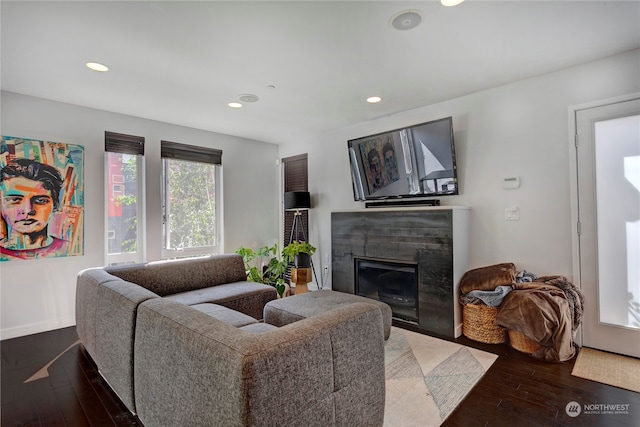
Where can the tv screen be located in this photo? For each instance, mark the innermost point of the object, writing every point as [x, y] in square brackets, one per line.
[416, 161]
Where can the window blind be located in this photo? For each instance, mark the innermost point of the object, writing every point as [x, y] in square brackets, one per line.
[192, 153]
[121, 143]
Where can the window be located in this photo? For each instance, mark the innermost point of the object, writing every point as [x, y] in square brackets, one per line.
[124, 168]
[191, 202]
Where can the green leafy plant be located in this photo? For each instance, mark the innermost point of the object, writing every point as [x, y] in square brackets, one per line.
[260, 270]
[295, 249]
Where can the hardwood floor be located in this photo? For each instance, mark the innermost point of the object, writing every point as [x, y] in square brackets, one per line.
[521, 391]
[73, 394]
[516, 391]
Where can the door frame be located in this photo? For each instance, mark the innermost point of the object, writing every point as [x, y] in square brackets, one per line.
[573, 182]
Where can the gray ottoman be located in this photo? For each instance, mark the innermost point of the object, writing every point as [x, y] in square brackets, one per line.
[280, 312]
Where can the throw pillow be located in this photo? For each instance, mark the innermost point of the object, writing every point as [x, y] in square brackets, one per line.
[488, 278]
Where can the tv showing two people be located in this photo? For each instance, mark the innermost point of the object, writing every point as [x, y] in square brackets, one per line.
[415, 161]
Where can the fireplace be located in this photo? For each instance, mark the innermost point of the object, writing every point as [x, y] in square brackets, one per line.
[409, 258]
[390, 281]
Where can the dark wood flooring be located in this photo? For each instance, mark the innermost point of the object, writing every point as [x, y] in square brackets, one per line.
[521, 391]
[516, 391]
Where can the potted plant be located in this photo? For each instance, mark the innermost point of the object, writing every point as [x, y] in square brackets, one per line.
[299, 253]
[269, 273]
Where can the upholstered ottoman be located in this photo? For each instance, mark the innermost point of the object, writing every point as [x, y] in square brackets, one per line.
[280, 312]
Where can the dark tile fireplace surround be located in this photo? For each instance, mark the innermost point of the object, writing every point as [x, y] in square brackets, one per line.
[410, 258]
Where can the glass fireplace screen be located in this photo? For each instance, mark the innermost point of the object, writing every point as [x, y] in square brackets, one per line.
[392, 282]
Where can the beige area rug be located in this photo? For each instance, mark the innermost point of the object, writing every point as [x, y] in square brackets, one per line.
[608, 368]
[426, 378]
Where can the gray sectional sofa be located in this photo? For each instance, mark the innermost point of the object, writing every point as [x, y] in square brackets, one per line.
[182, 344]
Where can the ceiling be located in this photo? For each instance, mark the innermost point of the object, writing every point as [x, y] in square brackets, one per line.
[311, 63]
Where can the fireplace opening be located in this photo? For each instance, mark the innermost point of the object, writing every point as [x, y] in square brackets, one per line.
[392, 282]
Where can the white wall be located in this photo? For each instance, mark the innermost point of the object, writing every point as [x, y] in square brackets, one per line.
[39, 295]
[520, 129]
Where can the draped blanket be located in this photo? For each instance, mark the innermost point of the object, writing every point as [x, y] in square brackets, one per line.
[547, 311]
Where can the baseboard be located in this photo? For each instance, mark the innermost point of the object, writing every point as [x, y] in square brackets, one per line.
[36, 328]
[458, 330]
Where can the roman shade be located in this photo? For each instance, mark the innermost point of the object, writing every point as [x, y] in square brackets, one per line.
[191, 153]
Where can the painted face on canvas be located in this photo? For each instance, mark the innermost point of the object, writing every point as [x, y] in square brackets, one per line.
[26, 205]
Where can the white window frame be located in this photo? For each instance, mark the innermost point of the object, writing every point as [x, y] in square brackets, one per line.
[140, 254]
[218, 247]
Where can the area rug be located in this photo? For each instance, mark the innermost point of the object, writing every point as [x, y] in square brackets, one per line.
[608, 368]
[426, 378]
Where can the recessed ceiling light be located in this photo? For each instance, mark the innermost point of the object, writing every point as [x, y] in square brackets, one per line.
[451, 2]
[96, 66]
[235, 105]
[373, 99]
[406, 20]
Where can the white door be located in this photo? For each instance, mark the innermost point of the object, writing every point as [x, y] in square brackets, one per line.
[608, 207]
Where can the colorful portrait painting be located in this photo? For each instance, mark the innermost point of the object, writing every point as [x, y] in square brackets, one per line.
[379, 160]
[41, 199]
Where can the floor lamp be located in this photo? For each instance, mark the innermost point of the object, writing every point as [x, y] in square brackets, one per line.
[297, 201]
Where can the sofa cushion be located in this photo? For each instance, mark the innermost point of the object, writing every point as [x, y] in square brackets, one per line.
[283, 311]
[246, 297]
[258, 328]
[228, 316]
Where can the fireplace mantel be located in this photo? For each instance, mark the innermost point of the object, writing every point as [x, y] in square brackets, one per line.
[436, 238]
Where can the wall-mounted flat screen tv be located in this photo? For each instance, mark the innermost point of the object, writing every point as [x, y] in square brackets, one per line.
[415, 161]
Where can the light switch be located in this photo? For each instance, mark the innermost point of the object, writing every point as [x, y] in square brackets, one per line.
[512, 214]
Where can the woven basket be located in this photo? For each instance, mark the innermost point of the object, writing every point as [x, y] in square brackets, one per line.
[521, 343]
[479, 324]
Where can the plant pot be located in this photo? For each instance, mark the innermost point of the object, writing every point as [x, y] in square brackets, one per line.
[302, 260]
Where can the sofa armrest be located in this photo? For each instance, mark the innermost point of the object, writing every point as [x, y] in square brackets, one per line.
[169, 277]
[191, 369]
[106, 309]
